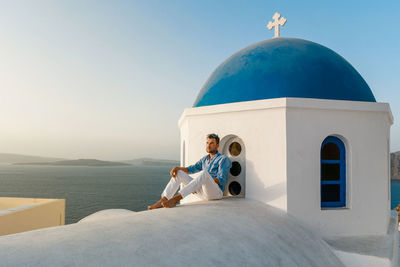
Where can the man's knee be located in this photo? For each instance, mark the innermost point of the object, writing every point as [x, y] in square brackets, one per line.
[204, 174]
[179, 173]
[201, 174]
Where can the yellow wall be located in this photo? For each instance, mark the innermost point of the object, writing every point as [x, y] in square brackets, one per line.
[47, 213]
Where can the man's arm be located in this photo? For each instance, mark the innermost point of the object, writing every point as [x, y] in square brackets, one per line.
[198, 166]
[223, 169]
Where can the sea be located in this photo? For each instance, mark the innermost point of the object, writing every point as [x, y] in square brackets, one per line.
[86, 189]
[91, 189]
[395, 193]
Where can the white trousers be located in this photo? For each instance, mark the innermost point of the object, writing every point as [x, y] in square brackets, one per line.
[204, 185]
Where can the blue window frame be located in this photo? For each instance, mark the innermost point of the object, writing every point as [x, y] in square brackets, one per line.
[333, 173]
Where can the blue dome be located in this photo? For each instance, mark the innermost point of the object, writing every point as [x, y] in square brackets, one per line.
[284, 67]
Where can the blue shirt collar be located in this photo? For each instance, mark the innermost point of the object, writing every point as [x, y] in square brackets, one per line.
[216, 155]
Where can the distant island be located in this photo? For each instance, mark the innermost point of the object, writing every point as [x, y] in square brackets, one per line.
[19, 159]
[150, 161]
[77, 162]
[395, 165]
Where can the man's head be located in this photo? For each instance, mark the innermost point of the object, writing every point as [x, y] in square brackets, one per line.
[212, 143]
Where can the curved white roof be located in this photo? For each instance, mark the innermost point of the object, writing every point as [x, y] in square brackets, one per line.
[234, 232]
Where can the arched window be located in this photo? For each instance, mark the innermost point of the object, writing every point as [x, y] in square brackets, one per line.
[333, 173]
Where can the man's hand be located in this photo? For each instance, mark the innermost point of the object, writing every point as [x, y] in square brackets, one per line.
[216, 180]
[174, 171]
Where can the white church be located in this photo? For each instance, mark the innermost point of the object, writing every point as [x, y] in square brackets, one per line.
[304, 134]
[309, 183]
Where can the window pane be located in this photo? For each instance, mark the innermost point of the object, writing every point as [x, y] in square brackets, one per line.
[235, 188]
[330, 151]
[330, 193]
[236, 169]
[235, 148]
[330, 172]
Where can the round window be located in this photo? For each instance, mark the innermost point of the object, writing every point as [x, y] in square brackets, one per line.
[235, 148]
[235, 188]
[236, 169]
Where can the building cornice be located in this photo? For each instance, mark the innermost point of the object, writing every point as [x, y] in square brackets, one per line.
[288, 102]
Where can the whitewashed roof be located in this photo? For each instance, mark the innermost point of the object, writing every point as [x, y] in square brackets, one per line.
[229, 232]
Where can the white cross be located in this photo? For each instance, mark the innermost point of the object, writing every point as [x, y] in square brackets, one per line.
[276, 23]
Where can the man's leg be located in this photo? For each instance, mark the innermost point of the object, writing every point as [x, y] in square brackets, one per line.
[173, 185]
[204, 184]
[171, 188]
[210, 189]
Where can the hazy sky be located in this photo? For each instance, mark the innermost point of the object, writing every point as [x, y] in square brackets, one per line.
[110, 79]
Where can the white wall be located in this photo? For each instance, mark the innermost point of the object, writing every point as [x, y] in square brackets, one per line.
[364, 128]
[261, 126]
[283, 139]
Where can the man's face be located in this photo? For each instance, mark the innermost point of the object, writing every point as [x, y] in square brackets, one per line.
[211, 146]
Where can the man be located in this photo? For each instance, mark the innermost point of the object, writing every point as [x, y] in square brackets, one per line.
[210, 184]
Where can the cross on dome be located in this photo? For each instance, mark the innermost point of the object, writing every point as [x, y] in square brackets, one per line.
[277, 22]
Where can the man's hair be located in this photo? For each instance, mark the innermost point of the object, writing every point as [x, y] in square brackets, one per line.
[213, 136]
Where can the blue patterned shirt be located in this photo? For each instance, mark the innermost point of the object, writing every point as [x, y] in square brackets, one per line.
[217, 168]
